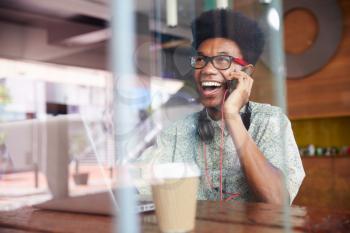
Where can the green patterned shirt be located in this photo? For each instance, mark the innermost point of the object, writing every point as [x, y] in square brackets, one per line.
[181, 143]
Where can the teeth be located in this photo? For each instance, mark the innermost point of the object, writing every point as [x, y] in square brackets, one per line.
[211, 84]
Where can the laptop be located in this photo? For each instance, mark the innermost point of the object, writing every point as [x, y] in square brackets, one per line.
[103, 203]
[51, 150]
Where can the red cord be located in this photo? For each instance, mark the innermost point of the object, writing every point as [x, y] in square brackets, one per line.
[222, 142]
[206, 166]
[232, 195]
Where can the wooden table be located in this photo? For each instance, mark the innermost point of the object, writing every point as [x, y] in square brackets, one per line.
[211, 217]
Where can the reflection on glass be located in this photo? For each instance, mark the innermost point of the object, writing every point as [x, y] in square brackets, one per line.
[225, 43]
[179, 93]
[39, 150]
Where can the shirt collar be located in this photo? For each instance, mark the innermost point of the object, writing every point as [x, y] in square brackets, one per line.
[217, 124]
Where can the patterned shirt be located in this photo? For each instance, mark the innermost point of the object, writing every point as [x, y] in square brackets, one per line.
[269, 128]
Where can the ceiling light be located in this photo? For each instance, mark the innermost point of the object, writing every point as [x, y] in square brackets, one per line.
[171, 13]
[221, 3]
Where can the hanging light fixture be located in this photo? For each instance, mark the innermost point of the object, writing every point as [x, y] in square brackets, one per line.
[221, 3]
[265, 1]
[171, 13]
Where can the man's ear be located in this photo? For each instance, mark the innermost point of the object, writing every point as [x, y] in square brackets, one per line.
[248, 69]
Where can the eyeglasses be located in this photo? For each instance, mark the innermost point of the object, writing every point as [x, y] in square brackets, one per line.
[220, 62]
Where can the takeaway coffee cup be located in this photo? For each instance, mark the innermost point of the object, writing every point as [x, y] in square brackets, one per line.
[174, 190]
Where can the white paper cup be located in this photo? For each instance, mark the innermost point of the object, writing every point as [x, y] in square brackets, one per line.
[174, 189]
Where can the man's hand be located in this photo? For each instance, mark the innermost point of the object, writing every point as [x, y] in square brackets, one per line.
[240, 96]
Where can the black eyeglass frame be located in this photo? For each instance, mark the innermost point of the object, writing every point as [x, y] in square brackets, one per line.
[207, 59]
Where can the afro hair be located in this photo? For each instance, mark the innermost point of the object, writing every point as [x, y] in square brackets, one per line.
[231, 25]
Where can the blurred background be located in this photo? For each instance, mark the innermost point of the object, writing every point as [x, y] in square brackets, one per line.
[54, 60]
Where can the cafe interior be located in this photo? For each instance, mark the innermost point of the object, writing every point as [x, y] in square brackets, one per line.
[86, 86]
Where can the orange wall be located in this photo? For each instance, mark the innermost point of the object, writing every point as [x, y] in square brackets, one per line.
[326, 92]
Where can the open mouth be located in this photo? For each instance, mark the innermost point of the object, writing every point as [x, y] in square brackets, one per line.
[211, 86]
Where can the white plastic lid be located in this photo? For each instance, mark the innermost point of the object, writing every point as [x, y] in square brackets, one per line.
[174, 170]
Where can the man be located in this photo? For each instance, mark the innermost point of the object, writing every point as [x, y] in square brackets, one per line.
[245, 150]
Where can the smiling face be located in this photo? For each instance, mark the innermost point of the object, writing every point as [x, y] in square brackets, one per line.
[211, 82]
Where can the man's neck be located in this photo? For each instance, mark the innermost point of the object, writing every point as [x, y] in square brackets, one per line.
[214, 113]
